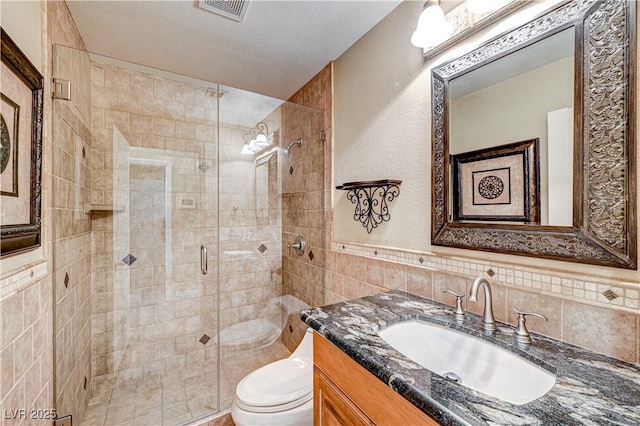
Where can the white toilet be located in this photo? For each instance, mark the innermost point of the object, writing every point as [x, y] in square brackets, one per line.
[280, 393]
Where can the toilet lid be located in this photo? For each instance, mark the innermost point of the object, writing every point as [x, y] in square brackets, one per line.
[286, 382]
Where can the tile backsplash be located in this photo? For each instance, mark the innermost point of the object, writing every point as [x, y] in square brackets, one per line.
[578, 308]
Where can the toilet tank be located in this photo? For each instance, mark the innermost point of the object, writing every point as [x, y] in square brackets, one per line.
[305, 348]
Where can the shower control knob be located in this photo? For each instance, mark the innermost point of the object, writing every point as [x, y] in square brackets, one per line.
[299, 246]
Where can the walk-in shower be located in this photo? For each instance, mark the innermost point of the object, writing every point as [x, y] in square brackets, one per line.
[172, 279]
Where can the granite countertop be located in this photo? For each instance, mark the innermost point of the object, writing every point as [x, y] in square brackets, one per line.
[590, 388]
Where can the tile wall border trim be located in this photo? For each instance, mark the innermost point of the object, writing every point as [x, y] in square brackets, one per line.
[563, 285]
[15, 283]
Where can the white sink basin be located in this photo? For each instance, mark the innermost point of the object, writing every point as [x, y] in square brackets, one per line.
[477, 364]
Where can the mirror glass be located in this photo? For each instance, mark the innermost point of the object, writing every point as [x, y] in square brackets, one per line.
[262, 185]
[525, 95]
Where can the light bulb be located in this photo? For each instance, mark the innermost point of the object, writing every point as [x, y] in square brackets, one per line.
[246, 150]
[432, 28]
[261, 140]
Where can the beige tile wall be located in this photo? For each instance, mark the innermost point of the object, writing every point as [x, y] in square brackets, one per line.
[26, 299]
[154, 154]
[148, 318]
[303, 195]
[72, 233]
[356, 271]
[249, 278]
[26, 361]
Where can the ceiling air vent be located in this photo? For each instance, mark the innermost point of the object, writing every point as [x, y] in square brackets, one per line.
[232, 9]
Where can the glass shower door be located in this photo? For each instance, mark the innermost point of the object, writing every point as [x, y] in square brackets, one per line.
[135, 189]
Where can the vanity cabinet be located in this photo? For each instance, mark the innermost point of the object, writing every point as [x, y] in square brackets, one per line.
[346, 394]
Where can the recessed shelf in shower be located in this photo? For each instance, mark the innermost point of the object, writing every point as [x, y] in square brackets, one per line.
[115, 208]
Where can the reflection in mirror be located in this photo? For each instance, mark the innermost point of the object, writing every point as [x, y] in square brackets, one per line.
[262, 184]
[525, 85]
[525, 95]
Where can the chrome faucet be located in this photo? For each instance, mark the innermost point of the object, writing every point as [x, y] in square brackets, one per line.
[488, 321]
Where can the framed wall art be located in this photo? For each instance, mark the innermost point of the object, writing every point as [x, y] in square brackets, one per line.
[21, 110]
[497, 184]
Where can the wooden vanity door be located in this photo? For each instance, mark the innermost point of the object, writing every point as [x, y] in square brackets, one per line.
[332, 407]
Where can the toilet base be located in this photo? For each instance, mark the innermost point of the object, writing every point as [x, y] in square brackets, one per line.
[298, 416]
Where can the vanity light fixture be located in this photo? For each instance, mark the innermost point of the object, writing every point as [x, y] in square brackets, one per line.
[432, 27]
[485, 6]
[256, 139]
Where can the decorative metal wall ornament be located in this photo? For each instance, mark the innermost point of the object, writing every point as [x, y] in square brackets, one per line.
[370, 199]
[20, 220]
[604, 211]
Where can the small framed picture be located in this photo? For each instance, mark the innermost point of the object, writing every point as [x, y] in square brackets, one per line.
[497, 184]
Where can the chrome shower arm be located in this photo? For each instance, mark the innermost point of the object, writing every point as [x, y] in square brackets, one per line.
[296, 142]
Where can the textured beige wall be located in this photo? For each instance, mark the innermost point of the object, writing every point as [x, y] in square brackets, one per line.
[21, 20]
[383, 130]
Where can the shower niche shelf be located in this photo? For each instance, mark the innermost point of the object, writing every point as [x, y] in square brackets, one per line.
[94, 208]
[371, 200]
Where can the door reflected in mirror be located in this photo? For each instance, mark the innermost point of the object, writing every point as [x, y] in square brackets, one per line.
[527, 94]
[262, 185]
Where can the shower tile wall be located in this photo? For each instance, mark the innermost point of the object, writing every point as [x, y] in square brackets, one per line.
[303, 197]
[250, 260]
[250, 244]
[72, 234]
[155, 314]
[155, 155]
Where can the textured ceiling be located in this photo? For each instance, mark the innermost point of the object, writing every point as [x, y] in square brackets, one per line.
[277, 48]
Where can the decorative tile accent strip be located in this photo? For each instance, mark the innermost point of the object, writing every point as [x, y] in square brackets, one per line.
[610, 294]
[579, 287]
[421, 259]
[490, 272]
[262, 248]
[66, 280]
[129, 259]
[204, 339]
[291, 170]
[203, 167]
[311, 256]
[12, 284]
[84, 152]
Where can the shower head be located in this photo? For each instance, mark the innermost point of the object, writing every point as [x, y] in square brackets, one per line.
[287, 151]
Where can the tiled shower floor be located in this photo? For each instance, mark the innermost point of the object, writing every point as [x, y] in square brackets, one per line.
[178, 397]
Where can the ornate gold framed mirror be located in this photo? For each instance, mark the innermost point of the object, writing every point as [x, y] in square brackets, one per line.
[570, 73]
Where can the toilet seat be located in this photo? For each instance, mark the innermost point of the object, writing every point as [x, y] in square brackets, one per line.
[279, 386]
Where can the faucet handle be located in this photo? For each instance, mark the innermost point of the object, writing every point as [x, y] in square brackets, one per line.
[299, 246]
[459, 312]
[522, 334]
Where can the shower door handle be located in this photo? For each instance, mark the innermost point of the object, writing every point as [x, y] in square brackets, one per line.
[203, 260]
